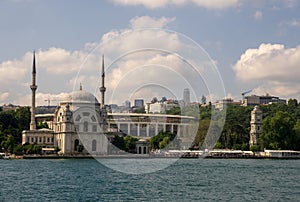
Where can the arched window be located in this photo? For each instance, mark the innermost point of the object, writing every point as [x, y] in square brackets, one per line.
[85, 126]
[76, 144]
[94, 145]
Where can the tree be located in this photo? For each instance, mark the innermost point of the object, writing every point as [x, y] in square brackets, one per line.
[140, 110]
[118, 141]
[41, 125]
[296, 142]
[174, 111]
[22, 116]
[130, 143]
[235, 134]
[127, 143]
[191, 110]
[164, 143]
[31, 148]
[14, 122]
[8, 144]
[278, 132]
[205, 113]
[8, 120]
[201, 133]
[162, 140]
[292, 103]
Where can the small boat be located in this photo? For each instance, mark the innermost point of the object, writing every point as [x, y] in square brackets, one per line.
[4, 156]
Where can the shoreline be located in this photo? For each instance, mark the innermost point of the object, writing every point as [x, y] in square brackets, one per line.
[146, 157]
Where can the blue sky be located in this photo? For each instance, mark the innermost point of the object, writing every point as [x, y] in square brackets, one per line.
[254, 43]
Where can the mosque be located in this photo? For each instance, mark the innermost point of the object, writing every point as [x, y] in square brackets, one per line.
[82, 125]
[79, 123]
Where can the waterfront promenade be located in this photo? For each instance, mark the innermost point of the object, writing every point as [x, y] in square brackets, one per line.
[267, 154]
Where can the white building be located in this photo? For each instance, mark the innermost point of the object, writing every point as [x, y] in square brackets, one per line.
[79, 124]
[161, 107]
[222, 104]
[254, 100]
[80, 121]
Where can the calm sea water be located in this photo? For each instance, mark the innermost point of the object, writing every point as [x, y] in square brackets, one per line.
[185, 180]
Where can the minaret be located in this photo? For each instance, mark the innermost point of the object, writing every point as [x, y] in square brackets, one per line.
[102, 88]
[256, 126]
[33, 88]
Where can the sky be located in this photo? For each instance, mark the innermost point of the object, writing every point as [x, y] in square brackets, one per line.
[151, 48]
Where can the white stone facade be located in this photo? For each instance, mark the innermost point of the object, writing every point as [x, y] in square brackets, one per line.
[78, 122]
[256, 125]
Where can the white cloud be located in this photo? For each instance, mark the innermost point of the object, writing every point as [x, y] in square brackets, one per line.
[291, 23]
[116, 43]
[258, 15]
[216, 4]
[42, 99]
[15, 69]
[51, 64]
[60, 61]
[290, 3]
[273, 66]
[3, 97]
[153, 4]
[160, 50]
[136, 59]
[132, 76]
[149, 22]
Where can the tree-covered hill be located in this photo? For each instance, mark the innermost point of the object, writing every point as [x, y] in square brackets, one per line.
[281, 127]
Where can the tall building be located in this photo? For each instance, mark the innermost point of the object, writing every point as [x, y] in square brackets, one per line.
[127, 104]
[186, 96]
[256, 125]
[139, 103]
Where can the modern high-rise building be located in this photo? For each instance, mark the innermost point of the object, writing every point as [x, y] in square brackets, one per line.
[127, 104]
[139, 103]
[186, 96]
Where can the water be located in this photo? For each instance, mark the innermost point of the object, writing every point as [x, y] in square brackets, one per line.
[186, 180]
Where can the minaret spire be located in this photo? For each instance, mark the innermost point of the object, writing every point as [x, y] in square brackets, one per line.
[33, 88]
[102, 88]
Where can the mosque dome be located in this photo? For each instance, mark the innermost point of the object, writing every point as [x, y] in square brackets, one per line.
[82, 96]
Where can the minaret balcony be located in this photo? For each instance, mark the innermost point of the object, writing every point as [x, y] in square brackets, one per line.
[102, 89]
[33, 87]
